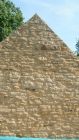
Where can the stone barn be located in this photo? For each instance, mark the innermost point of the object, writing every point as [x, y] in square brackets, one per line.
[39, 84]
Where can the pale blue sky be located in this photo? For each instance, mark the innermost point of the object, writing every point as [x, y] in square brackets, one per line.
[61, 15]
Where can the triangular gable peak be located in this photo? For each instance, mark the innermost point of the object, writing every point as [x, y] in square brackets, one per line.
[36, 31]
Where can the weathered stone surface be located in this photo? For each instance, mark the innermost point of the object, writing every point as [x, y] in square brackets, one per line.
[39, 84]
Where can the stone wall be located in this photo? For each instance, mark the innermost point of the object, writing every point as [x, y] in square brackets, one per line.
[39, 84]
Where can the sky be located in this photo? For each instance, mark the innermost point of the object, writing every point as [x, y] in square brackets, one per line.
[61, 15]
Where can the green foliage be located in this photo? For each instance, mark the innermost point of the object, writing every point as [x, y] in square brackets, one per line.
[10, 18]
[77, 48]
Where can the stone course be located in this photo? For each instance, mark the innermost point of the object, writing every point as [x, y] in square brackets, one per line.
[39, 84]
